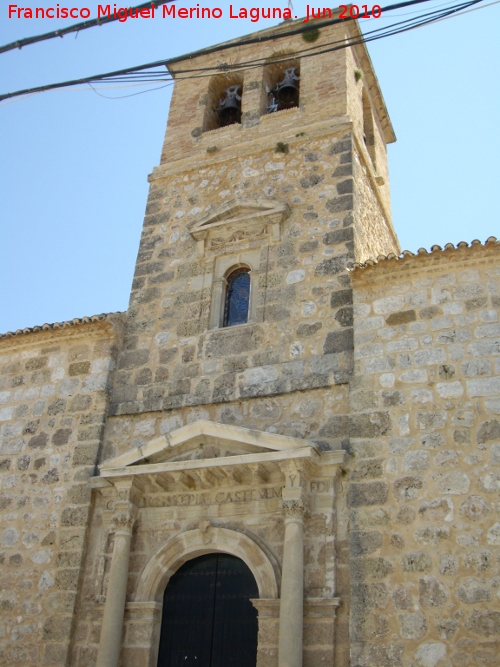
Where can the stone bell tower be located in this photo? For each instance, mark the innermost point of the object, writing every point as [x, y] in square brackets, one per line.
[292, 195]
[238, 344]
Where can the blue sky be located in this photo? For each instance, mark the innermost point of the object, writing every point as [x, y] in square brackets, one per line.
[74, 164]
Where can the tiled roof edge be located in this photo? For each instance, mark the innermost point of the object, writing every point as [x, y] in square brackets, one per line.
[391, 257]
[60, 325]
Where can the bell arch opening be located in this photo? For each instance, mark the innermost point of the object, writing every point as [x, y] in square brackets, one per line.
[208, 618]
[281, 85]
[224, 99]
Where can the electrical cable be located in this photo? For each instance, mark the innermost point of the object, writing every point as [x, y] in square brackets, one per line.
[366, 37]
[468, 11]
[85, 89]
[137, 73]
[121, 97]
[76, 27]
[342, 44]
[301, 52]
[369, 36]
[304, 52]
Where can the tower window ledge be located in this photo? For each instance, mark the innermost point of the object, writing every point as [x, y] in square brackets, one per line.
[233, 327]
[220, 130]
[266, 117]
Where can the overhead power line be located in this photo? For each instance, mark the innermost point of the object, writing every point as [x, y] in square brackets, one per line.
[132, 75]
[77, 27]
[143, 73]
[84, 25]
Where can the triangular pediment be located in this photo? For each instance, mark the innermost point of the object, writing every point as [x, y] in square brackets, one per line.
[239, 220]
[238, 210]
[205, 440]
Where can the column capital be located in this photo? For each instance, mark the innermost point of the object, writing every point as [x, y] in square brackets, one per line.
[294, 509]
[123, 522]
[126, 502]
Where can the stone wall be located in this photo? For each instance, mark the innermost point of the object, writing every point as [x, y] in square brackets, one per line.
[311, 159]
[301, 336]
[53, 403]
[361, 81]
[396, 363]
[286, 371]
[425, 443]
[322, 96]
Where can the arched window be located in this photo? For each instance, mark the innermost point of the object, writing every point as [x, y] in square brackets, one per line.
[237, 298]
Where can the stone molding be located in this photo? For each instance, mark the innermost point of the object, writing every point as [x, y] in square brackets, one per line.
[313, 607]
[224, 265]
[239, 220]
[143, 610]
[267, 608]
[37, 337]
[190, 544]
[242, 462]
[240, 150]
[206, 432]
[321, 607]
[473, 254]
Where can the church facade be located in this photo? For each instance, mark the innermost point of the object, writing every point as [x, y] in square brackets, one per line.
[290, 409]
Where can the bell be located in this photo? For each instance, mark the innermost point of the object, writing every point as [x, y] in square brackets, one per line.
[287, 91]
[229, 108]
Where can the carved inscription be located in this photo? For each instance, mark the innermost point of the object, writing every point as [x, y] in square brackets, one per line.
[321, 485]
[214, 498]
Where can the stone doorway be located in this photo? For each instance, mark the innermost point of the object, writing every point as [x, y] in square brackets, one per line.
[208, 618]
[214, 488]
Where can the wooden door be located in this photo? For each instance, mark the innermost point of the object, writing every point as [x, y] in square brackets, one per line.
[208, 619]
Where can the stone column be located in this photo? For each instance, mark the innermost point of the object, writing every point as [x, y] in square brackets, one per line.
[292, 576]
[114, 607]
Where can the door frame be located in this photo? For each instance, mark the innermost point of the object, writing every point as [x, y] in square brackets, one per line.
[146, 609]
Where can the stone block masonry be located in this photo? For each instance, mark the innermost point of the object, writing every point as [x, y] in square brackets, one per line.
[346, 437]
[425, 516]
[300, 334]
[53, 403]
[172, 359]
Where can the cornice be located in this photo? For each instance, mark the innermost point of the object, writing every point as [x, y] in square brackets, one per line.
[233, 151]
[84, 327]
[474, 252]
